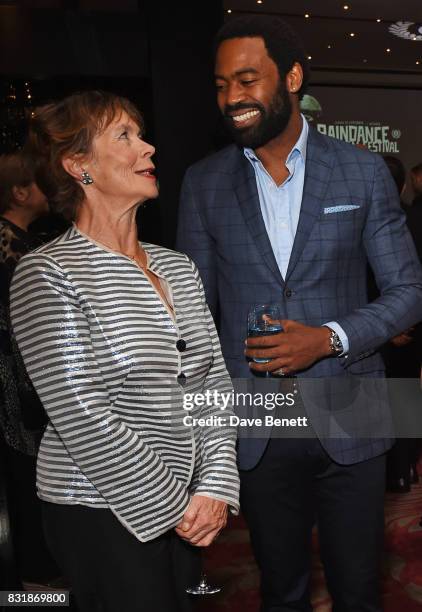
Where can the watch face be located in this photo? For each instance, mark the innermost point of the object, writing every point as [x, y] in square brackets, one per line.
[338, 345]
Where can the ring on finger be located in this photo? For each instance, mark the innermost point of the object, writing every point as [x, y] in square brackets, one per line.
[279, 372]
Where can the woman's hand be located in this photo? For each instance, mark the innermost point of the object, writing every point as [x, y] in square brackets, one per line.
[203, 520]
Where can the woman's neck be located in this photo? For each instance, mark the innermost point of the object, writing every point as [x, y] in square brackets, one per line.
[116, 231]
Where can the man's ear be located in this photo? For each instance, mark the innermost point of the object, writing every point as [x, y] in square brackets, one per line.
[20, 193]
[294, 78]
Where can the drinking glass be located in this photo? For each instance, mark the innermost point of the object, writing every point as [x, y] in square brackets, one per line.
[263, 320]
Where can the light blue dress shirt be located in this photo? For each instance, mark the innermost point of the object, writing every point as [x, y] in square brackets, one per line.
[280, 207]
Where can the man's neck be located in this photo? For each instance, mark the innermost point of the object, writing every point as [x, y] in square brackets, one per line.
[273, 155]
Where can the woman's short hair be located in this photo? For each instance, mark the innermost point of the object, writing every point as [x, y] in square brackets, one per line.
[16, 170]
[283, 44]
[67, 128]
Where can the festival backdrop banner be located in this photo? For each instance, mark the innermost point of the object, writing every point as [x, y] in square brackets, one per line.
[385, 121]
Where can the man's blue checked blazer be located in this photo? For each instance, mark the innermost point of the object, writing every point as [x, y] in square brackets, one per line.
[350, 216]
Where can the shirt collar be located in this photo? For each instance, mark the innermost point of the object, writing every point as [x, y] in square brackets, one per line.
[298, 148]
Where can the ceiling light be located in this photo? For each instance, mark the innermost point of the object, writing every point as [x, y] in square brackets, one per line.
[378, 20]
[229, 10]
[307, 15]
[352, 34]
[346, 7]
[259, 1]
[417, 62]
[388, 50]
[309, 57]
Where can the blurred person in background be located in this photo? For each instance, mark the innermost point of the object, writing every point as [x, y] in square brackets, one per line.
[398, 172]
[22, 417]
[402, 357]
[414, 217]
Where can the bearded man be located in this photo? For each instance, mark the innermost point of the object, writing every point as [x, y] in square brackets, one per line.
[288, 215]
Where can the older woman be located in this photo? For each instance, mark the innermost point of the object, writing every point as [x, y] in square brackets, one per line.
[113, 333]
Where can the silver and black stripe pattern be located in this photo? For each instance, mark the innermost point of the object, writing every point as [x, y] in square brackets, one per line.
[102, 351]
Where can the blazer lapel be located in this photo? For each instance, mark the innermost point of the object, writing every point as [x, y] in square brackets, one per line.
[244, 183]
[319, 163]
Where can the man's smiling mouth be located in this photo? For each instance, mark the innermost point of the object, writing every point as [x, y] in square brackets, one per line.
[244, 116]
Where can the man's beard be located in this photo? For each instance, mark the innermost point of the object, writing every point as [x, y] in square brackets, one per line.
[272, 121]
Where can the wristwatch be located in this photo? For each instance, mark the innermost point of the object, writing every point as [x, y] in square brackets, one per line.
[336, 344]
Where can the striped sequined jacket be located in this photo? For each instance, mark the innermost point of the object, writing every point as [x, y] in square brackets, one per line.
[112, 364]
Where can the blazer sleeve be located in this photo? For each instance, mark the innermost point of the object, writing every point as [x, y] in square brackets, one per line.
[219, 477]
[194, 239]
[54, 338]
[397, 270]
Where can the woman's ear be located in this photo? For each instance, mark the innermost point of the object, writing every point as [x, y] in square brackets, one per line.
[74, 166]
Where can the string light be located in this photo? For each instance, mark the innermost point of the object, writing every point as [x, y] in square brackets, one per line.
[417, 62]
[388, 50]
[346, 7]
[328, 46]
[229, 10]
[309, 57]
[352, 34]
[307, 15]
[378, 20]
[259, 1]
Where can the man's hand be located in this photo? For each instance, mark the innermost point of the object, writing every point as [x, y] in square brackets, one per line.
[404, 338]
[203, 520]
[294, 349]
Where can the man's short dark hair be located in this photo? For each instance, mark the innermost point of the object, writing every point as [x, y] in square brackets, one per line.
[283, 44]
[397, 171]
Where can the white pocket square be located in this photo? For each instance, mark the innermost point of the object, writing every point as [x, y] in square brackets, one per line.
[337, 209]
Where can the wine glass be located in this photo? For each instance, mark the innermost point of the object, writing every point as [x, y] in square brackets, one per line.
[263, 320]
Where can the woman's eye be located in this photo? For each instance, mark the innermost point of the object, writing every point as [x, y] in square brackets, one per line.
[124, 135]
[248, 82]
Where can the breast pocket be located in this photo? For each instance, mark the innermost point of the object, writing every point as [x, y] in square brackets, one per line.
[340, 214]
[336, 240]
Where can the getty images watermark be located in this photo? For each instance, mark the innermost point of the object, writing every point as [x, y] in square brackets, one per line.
[237, 401]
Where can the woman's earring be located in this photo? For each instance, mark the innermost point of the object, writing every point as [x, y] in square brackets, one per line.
[86, 179]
